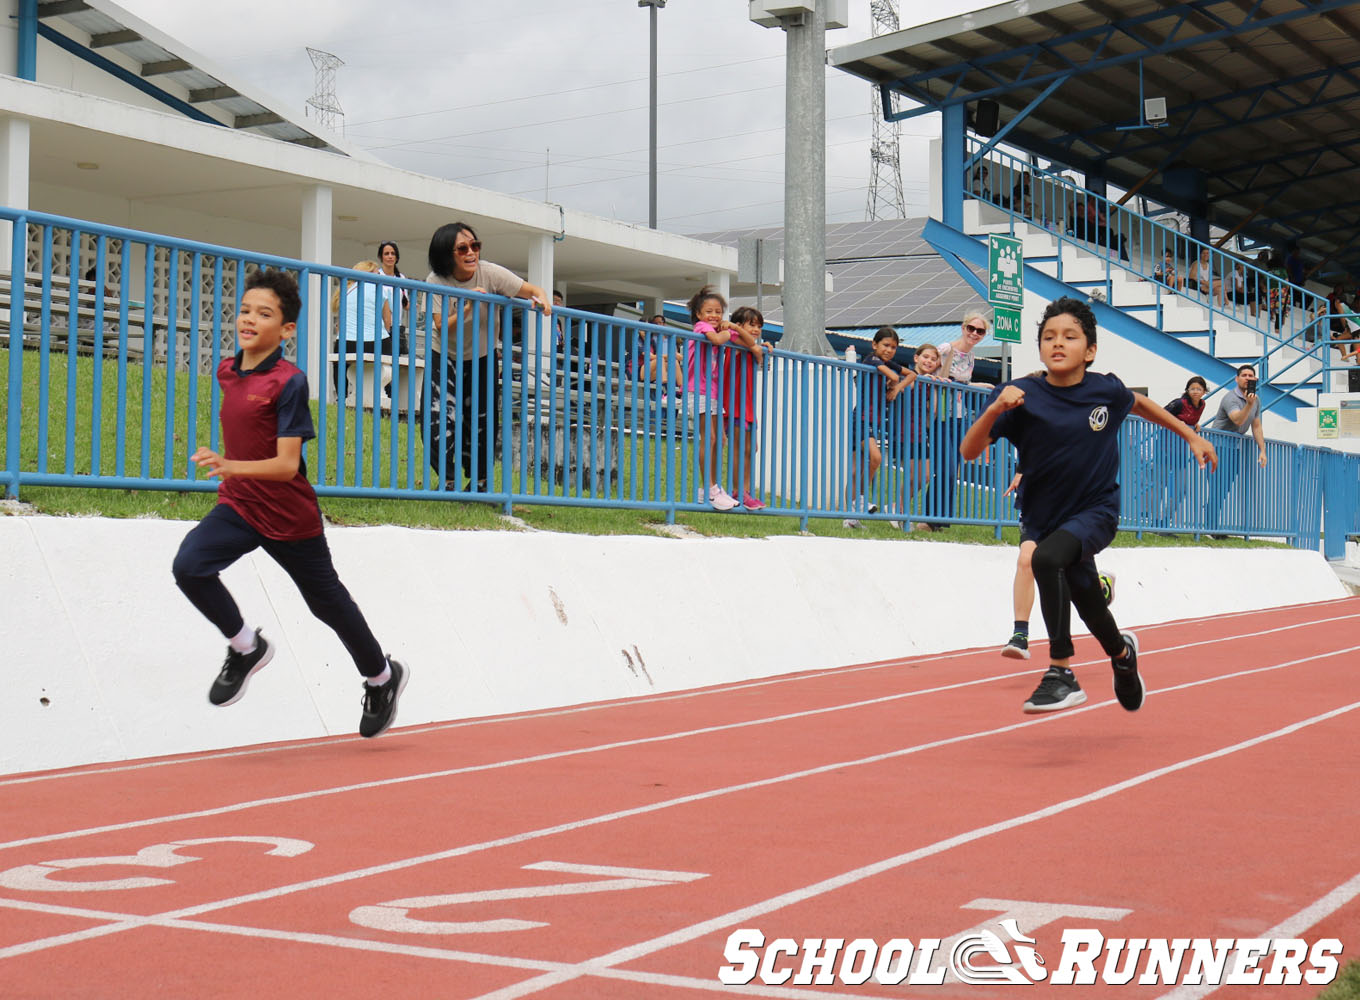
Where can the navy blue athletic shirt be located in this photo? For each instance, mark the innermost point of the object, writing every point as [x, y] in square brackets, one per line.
[1068, 440]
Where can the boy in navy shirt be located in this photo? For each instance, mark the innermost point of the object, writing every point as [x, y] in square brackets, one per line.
[1065, 424]
[265, 501]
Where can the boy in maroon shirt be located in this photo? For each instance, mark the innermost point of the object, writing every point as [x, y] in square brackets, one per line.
[265, 501]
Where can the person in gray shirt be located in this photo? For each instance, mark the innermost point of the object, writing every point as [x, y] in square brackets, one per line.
[1239, 413]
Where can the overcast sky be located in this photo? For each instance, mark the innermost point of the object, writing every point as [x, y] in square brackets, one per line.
[547, 99]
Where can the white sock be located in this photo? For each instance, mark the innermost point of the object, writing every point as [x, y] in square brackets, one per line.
[381, 679]
[244, 640]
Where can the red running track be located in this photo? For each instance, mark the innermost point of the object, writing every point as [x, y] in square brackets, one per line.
[608, 851]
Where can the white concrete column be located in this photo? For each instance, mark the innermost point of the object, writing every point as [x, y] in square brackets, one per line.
[315, 248]
[14, 157]
[722, 281]
[541, 274]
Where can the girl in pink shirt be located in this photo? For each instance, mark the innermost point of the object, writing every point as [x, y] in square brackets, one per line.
[703, 388]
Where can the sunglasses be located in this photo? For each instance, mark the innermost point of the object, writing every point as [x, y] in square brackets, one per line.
[466, 248]
[979, 330]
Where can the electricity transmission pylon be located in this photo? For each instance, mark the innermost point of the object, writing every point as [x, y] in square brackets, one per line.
[325, 102]
[886, 200]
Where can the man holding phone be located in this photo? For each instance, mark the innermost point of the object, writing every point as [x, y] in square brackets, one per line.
[1239, 412]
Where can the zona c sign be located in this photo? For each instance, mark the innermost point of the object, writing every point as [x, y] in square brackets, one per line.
[1006, 324]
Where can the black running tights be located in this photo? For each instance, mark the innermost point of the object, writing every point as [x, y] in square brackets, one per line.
[224, 536]
[1065, 578]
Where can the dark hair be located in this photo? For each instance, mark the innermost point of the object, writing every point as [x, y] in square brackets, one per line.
[702, 296]
[283, 285]
[1192, 380]
[441, 246]
[1075, 308]
[1246, 368]
[884, 332]
[747, 314]
[658, 320]
[395, 249]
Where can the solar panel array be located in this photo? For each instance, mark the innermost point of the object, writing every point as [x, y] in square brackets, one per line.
[884, 274]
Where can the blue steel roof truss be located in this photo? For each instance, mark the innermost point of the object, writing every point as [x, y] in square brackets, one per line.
[915, 86]
[1248, 186]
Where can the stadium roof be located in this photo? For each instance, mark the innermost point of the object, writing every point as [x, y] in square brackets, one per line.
[112, 39]
[1263, 96]
[884, 274]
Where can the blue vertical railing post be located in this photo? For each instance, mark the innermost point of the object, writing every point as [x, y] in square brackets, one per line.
[18, 271]
[507, 441]
[804, 454]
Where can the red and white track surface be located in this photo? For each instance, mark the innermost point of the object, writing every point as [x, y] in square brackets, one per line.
[608, 851]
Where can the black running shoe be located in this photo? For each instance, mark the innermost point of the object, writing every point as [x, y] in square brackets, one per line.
[380, 702]
[1017, 648]
[237, 669]
[1058, 690]
[1128, 686]
[1107, 588]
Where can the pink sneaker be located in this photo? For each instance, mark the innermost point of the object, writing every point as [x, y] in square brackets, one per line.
[751, 503]
[719, 499]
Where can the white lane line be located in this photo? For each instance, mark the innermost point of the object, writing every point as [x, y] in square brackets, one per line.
[598, 820]
[793, 678]
[603, 747]
[1291, 927]
[735, 918]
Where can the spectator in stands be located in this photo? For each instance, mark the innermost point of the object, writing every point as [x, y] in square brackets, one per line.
[956, 365]
[366, 325]
[1237, 289]
[919, 426]
[1022, 197]
[703, 390]
[1203, 279]
[1093, 227]
[1279, 296]
[870, 418]
[389, 255]
[982, 187]
[1189, 405]
[1293, 267]
[1166, 273]
[745, 353]
[455, 258]
[1338, 311]
[1239, 413]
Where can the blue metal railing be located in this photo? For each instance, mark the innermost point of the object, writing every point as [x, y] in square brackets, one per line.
[1291, 321]
[424, 391]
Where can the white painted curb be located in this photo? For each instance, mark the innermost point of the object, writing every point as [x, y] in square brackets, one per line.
[108, 661]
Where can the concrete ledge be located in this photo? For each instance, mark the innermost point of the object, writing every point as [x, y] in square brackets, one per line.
[109, 662]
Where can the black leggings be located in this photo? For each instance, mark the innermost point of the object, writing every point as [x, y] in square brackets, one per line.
[224, 536]
[1065, 578]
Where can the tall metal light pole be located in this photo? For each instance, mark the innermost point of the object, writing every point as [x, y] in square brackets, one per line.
[805, 23]
[651, 147]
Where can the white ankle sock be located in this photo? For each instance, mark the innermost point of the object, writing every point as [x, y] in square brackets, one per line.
[244, 640]
[381, 679]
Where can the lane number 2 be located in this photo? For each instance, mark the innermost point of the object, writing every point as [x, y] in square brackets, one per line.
[395, 914]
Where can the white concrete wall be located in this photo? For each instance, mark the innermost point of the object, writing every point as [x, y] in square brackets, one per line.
[108, 661]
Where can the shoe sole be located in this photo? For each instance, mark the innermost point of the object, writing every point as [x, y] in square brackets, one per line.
[1014, 653]
[1071, 701]
[241, 691]
[1129, 689]
[396, 703]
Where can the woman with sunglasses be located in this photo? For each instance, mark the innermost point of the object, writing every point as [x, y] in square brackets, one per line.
[956, 365]
[456, 262]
